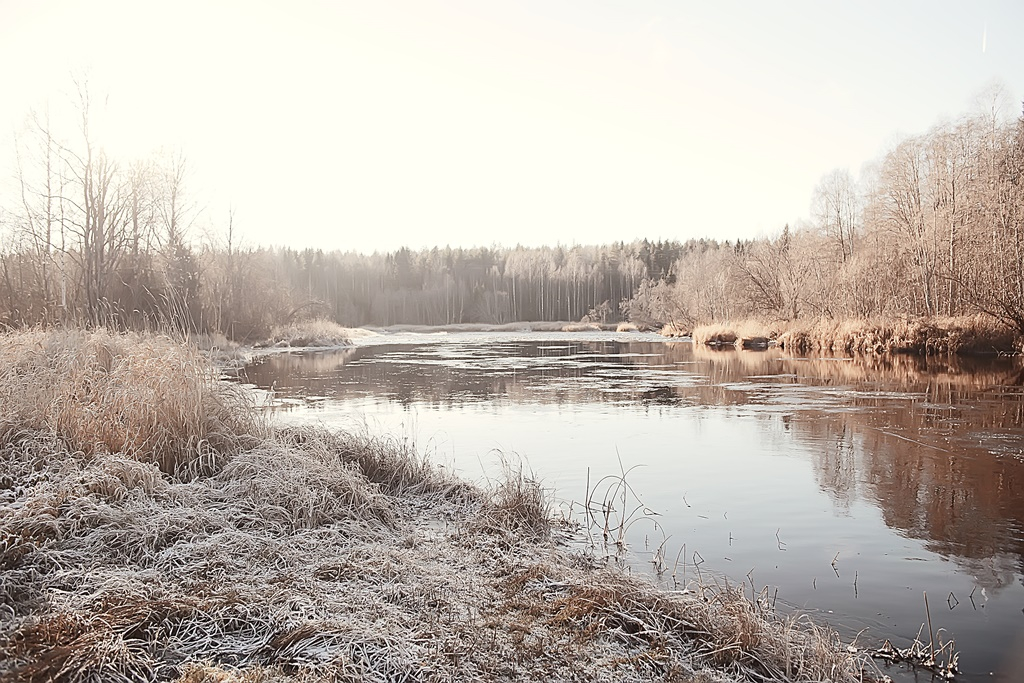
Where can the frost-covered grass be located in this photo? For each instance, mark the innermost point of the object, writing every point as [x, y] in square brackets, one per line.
[188, 541]
[144, 396]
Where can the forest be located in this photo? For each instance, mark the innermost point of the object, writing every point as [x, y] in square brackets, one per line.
[935, 226]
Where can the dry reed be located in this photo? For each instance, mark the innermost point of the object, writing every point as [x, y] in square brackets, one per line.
[317, 332]
[922, 336]
[518, 505]
[145, 396]
[742, 334]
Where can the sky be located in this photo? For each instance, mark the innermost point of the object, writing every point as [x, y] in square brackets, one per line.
[368, 126]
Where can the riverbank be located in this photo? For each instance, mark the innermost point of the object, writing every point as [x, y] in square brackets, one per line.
[153, 525]
[230, 356]
[963, 335]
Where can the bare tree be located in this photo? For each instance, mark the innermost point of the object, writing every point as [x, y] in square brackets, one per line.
[836, 208]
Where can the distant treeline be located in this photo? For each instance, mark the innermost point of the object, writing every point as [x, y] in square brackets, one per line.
[90, 240]
[936, 227]
[244, 293]
[478, 285]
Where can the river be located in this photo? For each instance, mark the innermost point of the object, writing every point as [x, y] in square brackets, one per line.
[846, 488]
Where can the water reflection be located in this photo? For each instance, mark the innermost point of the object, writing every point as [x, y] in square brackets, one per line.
[925, 457]
[936, 443]
[963, 501]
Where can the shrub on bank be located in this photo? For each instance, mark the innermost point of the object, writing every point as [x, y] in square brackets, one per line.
[675, 330]
[922, 336]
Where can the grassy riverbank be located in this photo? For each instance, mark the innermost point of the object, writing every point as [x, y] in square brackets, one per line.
[153, 526]
[923, 336]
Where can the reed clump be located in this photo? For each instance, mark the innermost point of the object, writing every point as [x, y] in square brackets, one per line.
[934, 336]
[306, 555]
[146, 396]
[317, 332]
[391, 463]
[748, 334]
[963, 335]
[518, 505]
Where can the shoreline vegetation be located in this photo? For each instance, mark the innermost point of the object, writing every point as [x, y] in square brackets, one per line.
[155, 526]
[926, 336]
[962, 335]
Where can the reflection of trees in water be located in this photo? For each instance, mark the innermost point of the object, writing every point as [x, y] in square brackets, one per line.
[963, 502]
[652, 372]
[564, 373]
[302, 363]
[836, 463]
[901, 431]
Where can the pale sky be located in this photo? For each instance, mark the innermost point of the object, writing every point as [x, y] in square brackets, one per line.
[372, 125]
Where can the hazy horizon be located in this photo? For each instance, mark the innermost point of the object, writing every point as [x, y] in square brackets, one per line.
[371, 127]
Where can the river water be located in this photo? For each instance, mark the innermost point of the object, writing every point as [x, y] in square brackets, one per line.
[848, 487]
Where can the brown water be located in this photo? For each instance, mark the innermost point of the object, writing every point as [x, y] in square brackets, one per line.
[852, 486]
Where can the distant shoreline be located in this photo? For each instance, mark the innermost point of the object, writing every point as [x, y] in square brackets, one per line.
[963, 335]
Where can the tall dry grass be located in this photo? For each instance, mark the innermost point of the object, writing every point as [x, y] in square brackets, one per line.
[517, 506]
[923, 336]
[318, 332]
[391, 463]
[142, 395]
[740, 333]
